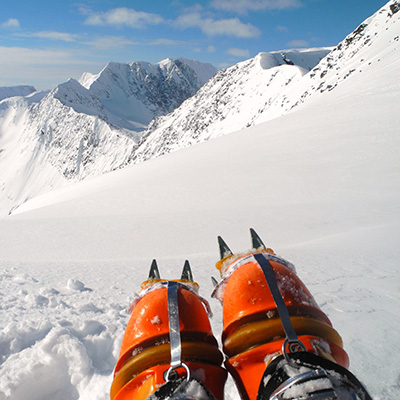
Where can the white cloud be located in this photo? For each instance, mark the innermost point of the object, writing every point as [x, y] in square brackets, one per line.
[298, 43]
[120, 17]
[65, 37]
[244, 6]
[12, 23]
[211, 49]
[166, 42]
[110, 42]
[23, 56]
[238, 52]
[223, 27]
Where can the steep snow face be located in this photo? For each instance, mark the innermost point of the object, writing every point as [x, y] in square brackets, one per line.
[88, 128]
[273, 84]
[45, 144]
[374, 45]
[11, 91]
[139, 91]
[228, 102]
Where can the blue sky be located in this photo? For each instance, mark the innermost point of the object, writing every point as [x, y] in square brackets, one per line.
[45, 42]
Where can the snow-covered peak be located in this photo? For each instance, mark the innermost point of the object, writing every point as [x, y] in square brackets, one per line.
[227, 102]
[373, 45]
[197, 73]
[74, 95]
[11, 91]
[203, 71]
[87, 127]
[138, 91]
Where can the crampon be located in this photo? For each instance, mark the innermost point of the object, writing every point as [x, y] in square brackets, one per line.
[277, 343]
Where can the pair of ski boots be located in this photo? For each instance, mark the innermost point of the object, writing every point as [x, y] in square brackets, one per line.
[277, 342]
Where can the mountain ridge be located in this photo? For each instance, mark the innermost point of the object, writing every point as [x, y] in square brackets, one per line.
[82, 128]
[48, 139]
[197, 120]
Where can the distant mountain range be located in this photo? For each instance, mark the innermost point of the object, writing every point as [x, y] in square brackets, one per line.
[229, 101]
[269, 86]
[85, 128]
[129, 113]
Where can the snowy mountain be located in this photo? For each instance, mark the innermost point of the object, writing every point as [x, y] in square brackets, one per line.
[271, 85]
[228, 102]
[320, 185]
[88, 128]
[372, 45]
[139, 91]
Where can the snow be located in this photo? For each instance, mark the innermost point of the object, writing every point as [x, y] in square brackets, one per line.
[319, 184]
[229, 101]
[85, 128]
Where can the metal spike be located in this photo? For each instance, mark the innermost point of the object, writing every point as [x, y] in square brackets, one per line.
[256, 240]
[224, 250]
[154, 272]
[187, 272]
[214, 281]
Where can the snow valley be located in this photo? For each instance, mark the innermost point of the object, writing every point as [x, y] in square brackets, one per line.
[304, 149]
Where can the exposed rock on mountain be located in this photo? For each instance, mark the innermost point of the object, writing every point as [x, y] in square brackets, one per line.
[230, 101]
[85, 128]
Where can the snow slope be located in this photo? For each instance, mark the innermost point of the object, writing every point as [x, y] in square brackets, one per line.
[78, 130]
[271, 85]
[227, 102]
[320, 185]
[136, 92]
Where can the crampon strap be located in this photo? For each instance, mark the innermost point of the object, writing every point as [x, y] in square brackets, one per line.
[292, 342]
[298, 374]
[174, 333]
[309, 377]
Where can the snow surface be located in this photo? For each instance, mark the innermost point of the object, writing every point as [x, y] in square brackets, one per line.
[229, 101]
[80, 129]
[320, 185]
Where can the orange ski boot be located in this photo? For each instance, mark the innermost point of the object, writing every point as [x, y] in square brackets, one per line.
[168, 342]
[268, 312]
